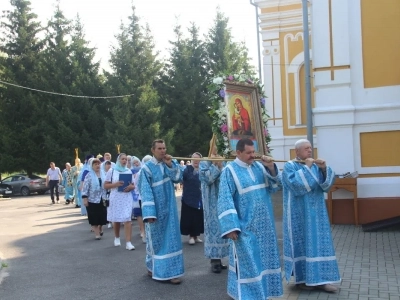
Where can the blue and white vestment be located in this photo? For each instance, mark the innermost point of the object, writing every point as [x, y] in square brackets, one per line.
[67, 182]
[215, 247]
[164, 256]
[244, 205]
[308, 249]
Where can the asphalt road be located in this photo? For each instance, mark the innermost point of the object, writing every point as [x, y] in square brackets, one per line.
[51, 254]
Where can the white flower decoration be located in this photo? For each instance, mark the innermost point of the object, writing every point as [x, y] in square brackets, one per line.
[218, 80]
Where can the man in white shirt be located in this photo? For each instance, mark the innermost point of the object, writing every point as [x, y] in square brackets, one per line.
[53, 179]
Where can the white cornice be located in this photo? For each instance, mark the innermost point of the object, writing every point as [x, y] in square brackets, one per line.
[358, 108]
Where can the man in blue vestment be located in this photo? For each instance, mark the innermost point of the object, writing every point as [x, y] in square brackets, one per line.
[164, 258]
[215, 247]
[246, 217]
[309, 254]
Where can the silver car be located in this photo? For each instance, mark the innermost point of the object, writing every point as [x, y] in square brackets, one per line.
[24, 185]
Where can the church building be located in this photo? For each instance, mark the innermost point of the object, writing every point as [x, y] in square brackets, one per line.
[355, 82]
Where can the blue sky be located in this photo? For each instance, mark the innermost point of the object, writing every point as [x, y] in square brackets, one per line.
[102, 19]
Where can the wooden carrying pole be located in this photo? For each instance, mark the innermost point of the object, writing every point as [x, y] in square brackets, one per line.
[226, 159]
[213, 151]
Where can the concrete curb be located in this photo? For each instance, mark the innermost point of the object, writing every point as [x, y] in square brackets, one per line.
[2, 198]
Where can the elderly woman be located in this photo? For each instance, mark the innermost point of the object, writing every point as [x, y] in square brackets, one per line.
[92, 195]
[121, 202]
[82, 175]
[104, 167]
[137, 201]
[68, 184]
[129, 161]
[76, 170]
[192, 222]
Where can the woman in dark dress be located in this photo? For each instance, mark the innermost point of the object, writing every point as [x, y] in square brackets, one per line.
[192, 221]
[92, 195]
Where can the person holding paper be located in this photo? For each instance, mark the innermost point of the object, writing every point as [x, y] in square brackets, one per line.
[120, 180]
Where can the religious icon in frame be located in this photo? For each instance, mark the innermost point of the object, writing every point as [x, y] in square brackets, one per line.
[244, 119]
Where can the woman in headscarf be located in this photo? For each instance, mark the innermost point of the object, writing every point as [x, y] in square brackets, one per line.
[129, 161]
[135, 170]
[93, 194]
[82, 175]
[76, 170]
[67, 183]
[121, 202]
[137, 203]
[192, 222]
[104, 167]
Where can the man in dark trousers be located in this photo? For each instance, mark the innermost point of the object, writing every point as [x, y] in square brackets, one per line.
[53, 179]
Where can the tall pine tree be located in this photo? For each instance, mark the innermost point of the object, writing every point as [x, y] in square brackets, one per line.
[22, 137]
[224, 54]
[134, 68]
[184, 98]
[68, 62]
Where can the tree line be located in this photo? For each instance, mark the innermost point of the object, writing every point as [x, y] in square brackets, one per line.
[168, 98]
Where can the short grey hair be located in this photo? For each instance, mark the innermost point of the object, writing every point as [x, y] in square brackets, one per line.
[146, 158]
[300, 143]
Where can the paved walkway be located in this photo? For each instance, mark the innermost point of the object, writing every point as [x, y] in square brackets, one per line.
[51, 254]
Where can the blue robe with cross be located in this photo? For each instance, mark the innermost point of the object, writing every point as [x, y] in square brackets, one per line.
[309, 254]
[164, 257]
[215, 247]
[68, 184]
[244, 205]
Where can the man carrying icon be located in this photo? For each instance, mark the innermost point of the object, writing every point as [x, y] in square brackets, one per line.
[164, 259]
[309, 254]
[246, 217]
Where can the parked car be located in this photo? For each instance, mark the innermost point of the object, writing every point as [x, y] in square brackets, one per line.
[5, 189]
[24, 185]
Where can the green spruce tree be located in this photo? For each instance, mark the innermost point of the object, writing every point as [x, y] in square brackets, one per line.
[184, 97]
[134, 68]
[22, 134]
[224, 55]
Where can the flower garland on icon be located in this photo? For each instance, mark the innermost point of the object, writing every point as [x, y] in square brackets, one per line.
[219, 112]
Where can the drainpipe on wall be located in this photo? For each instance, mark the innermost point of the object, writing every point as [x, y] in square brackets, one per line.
[307, 72]
[258, 42]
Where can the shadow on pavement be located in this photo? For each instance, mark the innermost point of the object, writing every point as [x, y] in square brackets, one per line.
[62, 260]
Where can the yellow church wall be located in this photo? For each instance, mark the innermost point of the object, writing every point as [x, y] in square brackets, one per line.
[291, 47]
[381, 42]
[280, 8]
[380, 149]
[292, 117]
[294, 47]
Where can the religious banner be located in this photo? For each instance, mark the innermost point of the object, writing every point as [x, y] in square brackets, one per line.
[238, 111]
